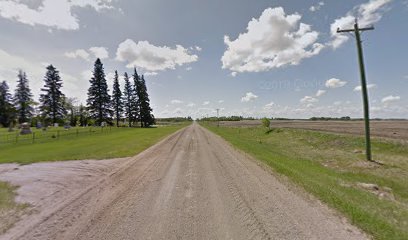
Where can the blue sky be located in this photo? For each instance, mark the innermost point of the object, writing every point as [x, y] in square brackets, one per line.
[252, 58]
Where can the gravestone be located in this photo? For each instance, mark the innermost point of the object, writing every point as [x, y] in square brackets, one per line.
[25, 129]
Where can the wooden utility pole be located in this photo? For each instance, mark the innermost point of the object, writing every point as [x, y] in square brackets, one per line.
[218, 119]
[357, 31]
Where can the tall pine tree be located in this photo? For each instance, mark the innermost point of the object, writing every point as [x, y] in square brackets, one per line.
[52, 101]
[117, 99]
[146, 116]
[128, 96]
[23, 99]
[135, 104]
[99, 101]
[7, 111]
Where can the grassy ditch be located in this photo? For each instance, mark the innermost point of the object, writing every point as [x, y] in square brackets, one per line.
[9, 209]
[332, 167]
[121, 142]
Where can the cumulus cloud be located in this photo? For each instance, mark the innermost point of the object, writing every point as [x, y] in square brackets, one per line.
[272, 41]
[316, 7]
[335, 83]
[191, 104]
[206, 103]
[151, 73]
[51, 13]
[249, 97]
[79, 53]
[99, 52]
[176, 101]
[390, 99]
[152, 58]
[369, 86]
[320, 93]
[269, 105]
[96, 52]
[366, 13]
[308, 99]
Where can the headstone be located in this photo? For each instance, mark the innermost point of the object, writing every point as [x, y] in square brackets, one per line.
[56, 125]
[103, 124]
[39, 125]
[67, 126]
[25, 129]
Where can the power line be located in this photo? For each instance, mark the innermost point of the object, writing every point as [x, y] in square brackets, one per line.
[357, 31]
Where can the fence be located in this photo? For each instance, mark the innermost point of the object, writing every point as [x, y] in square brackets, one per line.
[50, 135]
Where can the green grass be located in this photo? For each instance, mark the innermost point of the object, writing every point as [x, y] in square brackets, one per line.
[331, 166]
[120, 142]
[9, 209]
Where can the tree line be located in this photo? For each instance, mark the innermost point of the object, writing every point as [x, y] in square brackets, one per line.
[130, 105]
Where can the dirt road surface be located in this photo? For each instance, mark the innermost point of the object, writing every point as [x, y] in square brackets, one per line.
[192, 185]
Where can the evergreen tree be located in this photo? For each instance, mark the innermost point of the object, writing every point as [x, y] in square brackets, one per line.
[128, 99]
[7, 111]
[52, 101]
[99, 101]
[146, 116]
[117, 99]
[135, 104]
[23, 99]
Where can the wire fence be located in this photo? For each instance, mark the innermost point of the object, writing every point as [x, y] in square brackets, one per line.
[40, 136]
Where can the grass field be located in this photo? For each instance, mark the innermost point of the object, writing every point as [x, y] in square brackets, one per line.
[332, 168]
[120, 142]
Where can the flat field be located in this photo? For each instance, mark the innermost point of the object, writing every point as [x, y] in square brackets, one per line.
[396, 129]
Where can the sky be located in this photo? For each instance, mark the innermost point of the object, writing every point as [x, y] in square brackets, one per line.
[258, 58]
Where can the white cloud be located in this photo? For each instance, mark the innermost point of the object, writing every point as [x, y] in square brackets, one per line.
[308, 99]
[369, 86]
[99, 52]
[176, 101]
[234, 74]
[366, 13]
[335, 83]
[191, 104]
[153, 58]
[206, 103]
[198, 48]
[274, 40]
[96, 52]
[79, 53]
[389, 99]
[316, 7]
[249, 97]
[320, 93]
[221, 101]
[51, 13]
[189, 68]
[151, 73]
[269, 105]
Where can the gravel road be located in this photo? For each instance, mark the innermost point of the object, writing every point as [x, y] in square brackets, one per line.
[192, 185]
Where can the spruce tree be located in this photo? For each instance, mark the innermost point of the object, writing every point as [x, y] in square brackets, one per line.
[117, 99]
[7, 111]
[23, 99]
[52, 101]
[135, 104]
[146, 116]
[99, 101]
[128, 96]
